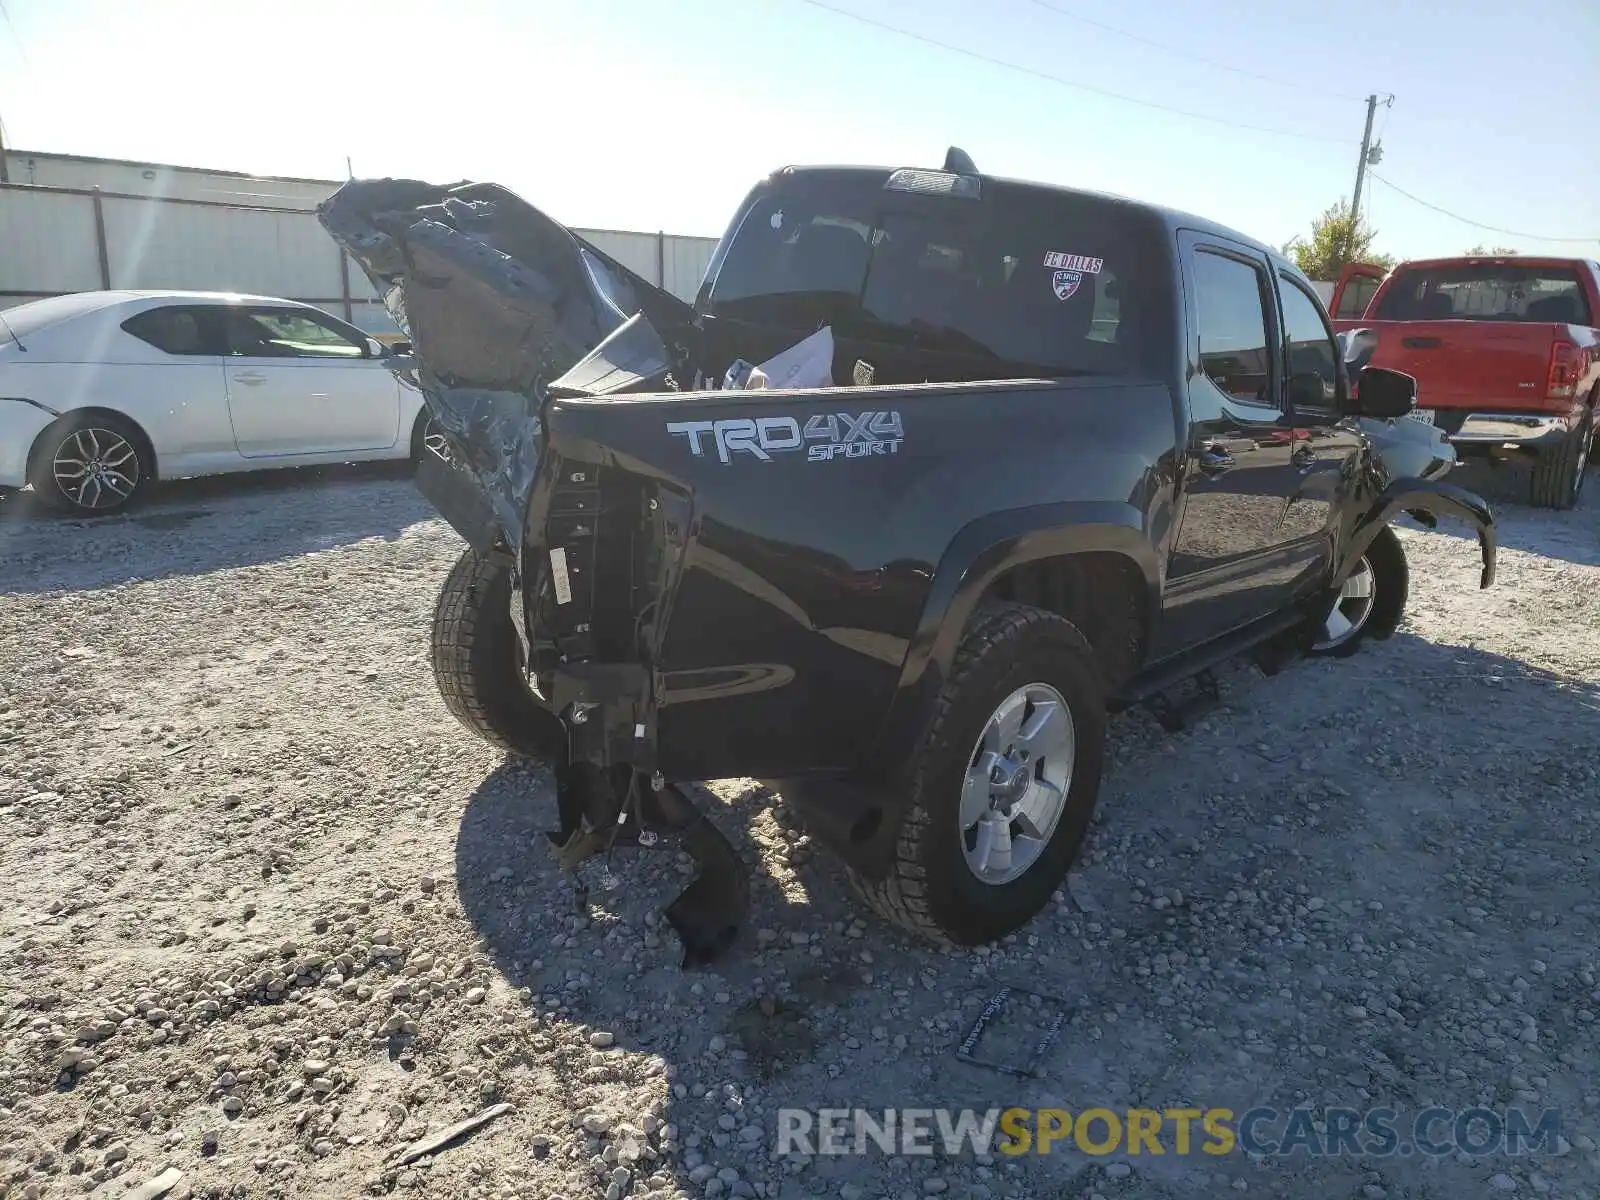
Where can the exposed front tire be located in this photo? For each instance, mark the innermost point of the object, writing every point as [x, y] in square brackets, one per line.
[477, 663]
[1557, 480]
[1371, 601]
[1003, 784]
[92, 464]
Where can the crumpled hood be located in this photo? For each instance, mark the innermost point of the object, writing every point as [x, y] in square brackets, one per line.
[498, 301]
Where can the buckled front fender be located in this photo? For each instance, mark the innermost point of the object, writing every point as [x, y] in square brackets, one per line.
[1422, 498]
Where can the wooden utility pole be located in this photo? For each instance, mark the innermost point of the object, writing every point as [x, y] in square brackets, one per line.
[1361, 166]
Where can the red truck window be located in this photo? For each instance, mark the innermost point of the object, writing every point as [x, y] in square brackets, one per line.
[1485, 292]
[1356, 296]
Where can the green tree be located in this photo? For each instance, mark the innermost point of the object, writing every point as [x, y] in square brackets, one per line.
[1489, 252]
[1337, 240]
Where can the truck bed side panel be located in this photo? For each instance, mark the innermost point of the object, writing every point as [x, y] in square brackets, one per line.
[810, 569]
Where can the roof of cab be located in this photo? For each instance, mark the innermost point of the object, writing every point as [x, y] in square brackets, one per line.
[1173, 219]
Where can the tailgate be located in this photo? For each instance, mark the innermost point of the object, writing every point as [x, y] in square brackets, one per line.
[498, 300]
[1499, 365]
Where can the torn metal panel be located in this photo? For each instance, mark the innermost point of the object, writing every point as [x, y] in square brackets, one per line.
[497, 300]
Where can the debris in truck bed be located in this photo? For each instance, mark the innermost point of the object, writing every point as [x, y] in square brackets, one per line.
[806, 364]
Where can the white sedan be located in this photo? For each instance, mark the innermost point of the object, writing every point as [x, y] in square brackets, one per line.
[103, 392]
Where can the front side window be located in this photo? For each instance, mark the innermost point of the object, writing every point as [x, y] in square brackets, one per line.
[286, 333]
[1310, 354]
[1233, 327]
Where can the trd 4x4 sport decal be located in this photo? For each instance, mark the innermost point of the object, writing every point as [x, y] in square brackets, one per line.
[826, 436]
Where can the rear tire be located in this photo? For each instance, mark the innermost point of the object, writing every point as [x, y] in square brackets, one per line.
[426, 437]
[91, 464]
[933, 888]
[1558, 479]
[477, 663]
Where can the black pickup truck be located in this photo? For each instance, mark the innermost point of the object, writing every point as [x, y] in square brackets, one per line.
[1069, 451]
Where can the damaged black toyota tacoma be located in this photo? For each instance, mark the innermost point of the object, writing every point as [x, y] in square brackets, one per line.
[936, 471]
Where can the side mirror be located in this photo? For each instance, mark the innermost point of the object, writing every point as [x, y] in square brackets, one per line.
[400, 349]
[1384, 394]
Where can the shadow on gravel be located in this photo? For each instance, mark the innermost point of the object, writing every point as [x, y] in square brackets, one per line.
[1572, 535]
[826, 1014]
[193, 527]
[614, 966]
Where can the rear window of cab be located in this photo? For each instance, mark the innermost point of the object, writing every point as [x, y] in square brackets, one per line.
[1485, 292]
[1038, 281]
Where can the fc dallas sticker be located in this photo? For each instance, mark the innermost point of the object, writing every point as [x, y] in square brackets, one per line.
[1066, 284]
[1069, 270]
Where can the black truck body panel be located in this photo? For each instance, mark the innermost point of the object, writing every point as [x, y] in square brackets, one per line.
[793, 653]
[773, 583]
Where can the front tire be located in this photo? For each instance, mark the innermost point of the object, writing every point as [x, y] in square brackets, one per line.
[477, 663]
[1371, 601]
[1002, 785]
[92, 464]
[1557, 480]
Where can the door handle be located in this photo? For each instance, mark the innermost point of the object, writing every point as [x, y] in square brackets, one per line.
[250, 377]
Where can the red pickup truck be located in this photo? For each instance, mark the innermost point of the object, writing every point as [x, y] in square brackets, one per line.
[1505, 351]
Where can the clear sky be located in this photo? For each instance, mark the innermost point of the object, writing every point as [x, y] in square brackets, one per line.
[647, 115]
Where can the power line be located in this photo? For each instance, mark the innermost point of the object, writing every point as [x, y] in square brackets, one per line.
[1190, 55]
[16, 37]
[1532, 237]
[1065, 82]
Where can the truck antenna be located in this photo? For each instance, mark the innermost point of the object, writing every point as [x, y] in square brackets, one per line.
[958, 162]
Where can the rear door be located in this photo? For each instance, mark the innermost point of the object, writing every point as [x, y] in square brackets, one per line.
[300, 383]
[1237, 475]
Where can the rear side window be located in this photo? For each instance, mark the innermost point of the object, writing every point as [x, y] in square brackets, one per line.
[1485, 292]
[1233, 327]
[1030, 280]
[184, 331]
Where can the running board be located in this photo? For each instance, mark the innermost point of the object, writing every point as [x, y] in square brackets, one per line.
[1169, 673]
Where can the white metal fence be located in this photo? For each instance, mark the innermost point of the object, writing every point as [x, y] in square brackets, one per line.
[64, 239]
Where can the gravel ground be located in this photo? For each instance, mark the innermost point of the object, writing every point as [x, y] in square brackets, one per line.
[269, 916]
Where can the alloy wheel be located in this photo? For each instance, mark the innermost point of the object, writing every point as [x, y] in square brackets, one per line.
[96, 468]
[433, 439]
[1350, 612]
[1016, 784]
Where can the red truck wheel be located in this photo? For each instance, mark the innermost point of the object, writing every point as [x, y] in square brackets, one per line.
[1003, 784]
[1558, 479]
